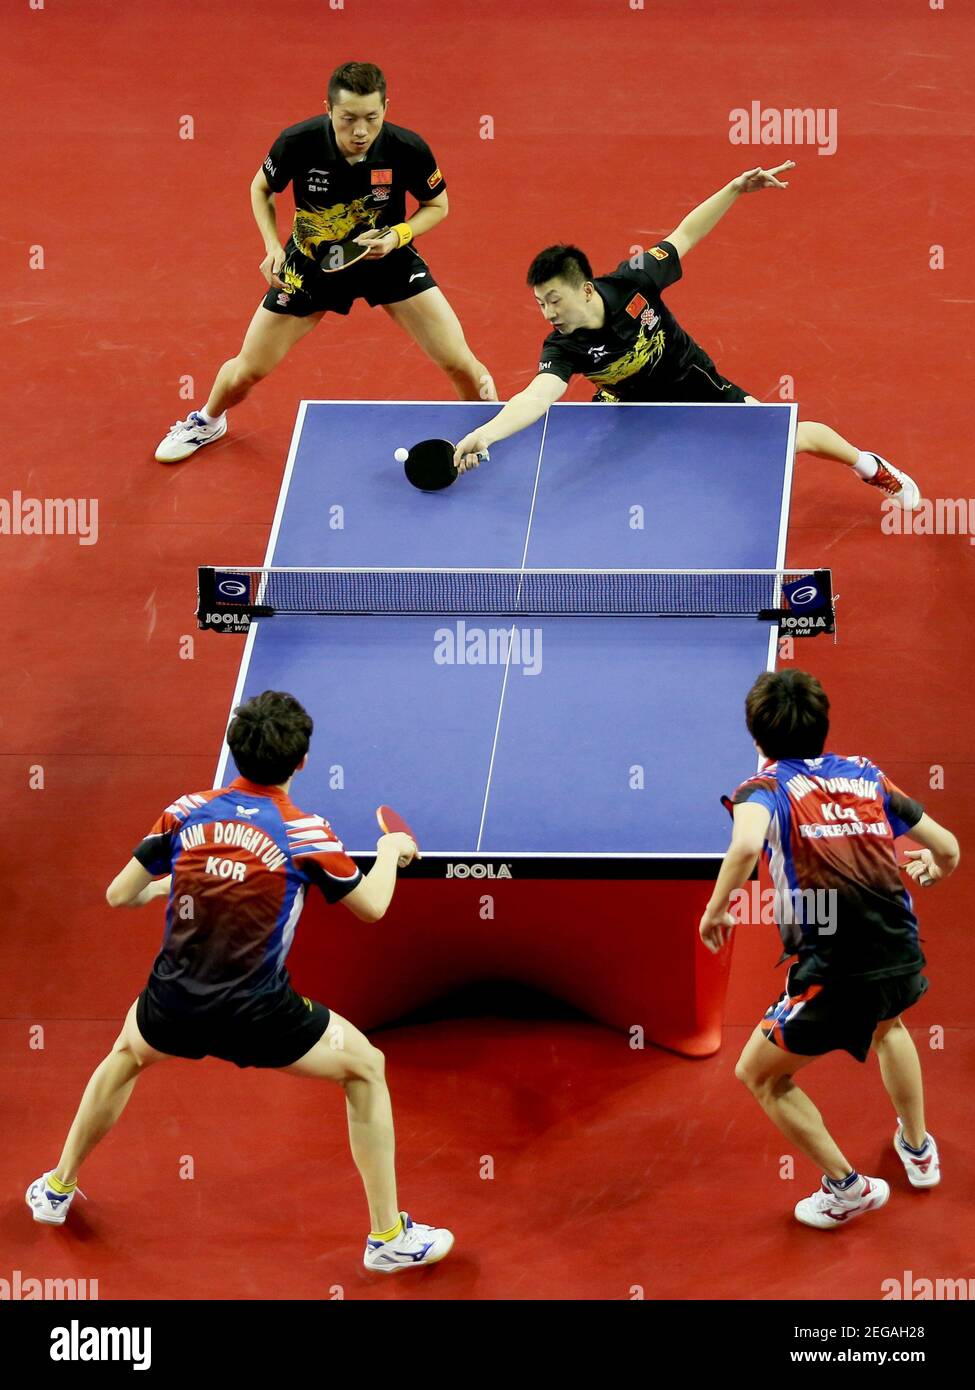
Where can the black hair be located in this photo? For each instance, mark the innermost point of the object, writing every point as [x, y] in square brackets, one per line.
[787, 713]
[560, 262]
[269, 736]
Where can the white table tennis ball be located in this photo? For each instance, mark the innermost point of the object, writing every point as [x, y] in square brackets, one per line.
[401, 455]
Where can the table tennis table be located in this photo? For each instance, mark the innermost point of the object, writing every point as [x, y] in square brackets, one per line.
[567, 768]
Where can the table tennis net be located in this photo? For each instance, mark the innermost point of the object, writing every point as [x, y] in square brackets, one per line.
[269, 591]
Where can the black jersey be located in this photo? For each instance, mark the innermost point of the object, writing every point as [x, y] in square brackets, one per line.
[335, 199]
[641, 350]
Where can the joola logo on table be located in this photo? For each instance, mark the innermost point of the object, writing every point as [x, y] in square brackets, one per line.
[241, 620]
[463, 870]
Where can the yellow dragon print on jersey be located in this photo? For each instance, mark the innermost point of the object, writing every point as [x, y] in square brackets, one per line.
[645, 353]
[293, 279]
[316, 227]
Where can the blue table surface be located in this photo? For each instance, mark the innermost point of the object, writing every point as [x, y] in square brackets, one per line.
[600, 736]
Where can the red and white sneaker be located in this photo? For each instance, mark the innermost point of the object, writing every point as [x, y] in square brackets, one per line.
[923, 1171]
[895, 483]
[828, 1211]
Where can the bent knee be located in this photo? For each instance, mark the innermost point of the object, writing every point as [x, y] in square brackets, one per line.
[885, 1029]
[366, 1064]
[745, 1074]
[248, 371]
[460, 372]
[133, 1052]
[375, 1062]
[759, 1082]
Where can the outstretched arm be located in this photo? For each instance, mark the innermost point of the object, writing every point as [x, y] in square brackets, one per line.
[708, 214]
[520, 412]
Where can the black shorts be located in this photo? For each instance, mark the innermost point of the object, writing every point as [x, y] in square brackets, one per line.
[699, 383]
[838, 1016]
[398, 276]
[273, 1031]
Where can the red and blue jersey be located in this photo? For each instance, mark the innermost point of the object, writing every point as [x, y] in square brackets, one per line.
[242, 858]
[833, 827]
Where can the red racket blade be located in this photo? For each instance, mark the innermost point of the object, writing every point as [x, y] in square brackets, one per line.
[430, 465]
[392, 823]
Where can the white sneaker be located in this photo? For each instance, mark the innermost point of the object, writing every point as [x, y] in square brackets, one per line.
[47, 1205]
[827, 1211]
[186, 436]
[895, 483]
[416, 1245]
[924, 1171]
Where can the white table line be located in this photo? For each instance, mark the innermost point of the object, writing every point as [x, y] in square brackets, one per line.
[511, 638]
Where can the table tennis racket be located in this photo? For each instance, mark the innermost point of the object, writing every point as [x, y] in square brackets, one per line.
[430, 464]
[341, 255]
[392, 823]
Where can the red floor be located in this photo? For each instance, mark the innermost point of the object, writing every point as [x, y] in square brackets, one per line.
[609, 125]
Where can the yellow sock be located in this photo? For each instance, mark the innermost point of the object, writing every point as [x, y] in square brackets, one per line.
[391, 1234]
[61, 1187]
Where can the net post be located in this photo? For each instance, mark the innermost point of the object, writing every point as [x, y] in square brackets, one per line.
[206, 594]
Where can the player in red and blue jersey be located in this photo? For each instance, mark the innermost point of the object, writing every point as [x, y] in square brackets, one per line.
[236, 863]
[828, 826]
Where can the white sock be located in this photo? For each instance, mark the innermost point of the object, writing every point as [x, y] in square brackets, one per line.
[210, 419]
[866, 465]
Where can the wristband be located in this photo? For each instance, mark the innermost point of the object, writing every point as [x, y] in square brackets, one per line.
[404, 233]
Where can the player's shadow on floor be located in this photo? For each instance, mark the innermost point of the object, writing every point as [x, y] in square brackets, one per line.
[500, 999]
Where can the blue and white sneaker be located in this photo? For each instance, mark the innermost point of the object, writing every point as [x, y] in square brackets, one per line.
[923, 1169]
[186, 436]
[47, 1205]
[416, 1245]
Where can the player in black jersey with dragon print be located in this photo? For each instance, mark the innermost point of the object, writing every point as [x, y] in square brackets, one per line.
[616, 331]
[350, 172]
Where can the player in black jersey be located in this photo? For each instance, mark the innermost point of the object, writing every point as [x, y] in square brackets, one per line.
[350, 173]
[617, 331]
